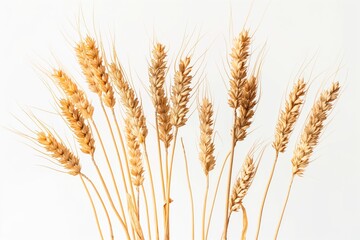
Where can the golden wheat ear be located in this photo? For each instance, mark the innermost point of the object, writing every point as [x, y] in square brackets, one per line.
[289, 116]
[313, 128]
[71, 90]
[77, 124]
[206, 144]
[157, 73]
[57, 150]
[238, 67]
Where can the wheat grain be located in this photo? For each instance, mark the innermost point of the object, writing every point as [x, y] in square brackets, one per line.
[60, 152]
[238, 68]
[206, 144]
[289, 115]
[78, 126]
[311, 133]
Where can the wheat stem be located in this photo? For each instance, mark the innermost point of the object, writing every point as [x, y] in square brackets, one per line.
[93, 208]
[167, 212]
[152, 191]
[190, 192]
[160, 157]
[147, 211]
[229, 178]
[215, 194]
[204, 207]
[103, 205]
[119, 159]
[265, 195]
[99, 173]
[284, 207]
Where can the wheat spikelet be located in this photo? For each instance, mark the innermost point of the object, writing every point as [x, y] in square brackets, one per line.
[311, 133]
[134, 154]
[131, 103]
[246, 110]
[78, 126]
[207, 147]
[242, 183]
[60, 152]
[289, 116]
[238, 69]
[181, 93]
[77, 96]
[161, 103]
[93, 68]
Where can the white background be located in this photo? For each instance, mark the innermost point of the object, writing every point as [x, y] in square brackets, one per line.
[38, 203]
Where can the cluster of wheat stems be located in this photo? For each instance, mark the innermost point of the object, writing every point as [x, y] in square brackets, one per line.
[108, 81]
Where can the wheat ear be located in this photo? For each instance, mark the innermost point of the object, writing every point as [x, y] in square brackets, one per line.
[207, 147]
[237, 94]
[180, 96]
[77, 96]
[238, 67]
[310, 137]
[286, 121]
[157, 72]
[78, 126]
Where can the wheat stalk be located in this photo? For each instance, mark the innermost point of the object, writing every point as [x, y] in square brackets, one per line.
[310, 137]
[207, 147]
[284, 127]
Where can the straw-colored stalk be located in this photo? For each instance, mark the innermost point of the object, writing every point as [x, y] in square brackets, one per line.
[157, 72]
[241, 99]
[284, 127]
[310, 137]
[180, 96]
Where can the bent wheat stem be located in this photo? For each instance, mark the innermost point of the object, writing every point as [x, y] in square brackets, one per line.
[245, 223]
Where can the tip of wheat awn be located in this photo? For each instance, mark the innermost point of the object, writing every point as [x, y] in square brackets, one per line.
[313, 128]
